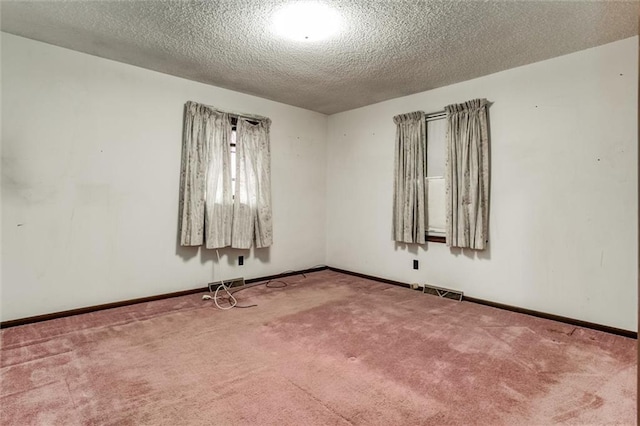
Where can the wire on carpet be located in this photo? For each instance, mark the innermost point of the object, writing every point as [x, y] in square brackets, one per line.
[230, 298]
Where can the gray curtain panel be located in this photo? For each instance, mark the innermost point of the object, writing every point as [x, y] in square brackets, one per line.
[467, 175]
[195, 162]
[409, 195]
[252, 218]
[209, 214]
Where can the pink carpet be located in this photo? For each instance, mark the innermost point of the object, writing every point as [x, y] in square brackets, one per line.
[330, 349]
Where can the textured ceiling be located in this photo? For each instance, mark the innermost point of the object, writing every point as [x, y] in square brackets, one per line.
[387, 49]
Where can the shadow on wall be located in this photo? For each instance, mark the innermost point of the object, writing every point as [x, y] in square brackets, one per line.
[456, 251]
[472, 254]
[187, 253]
[263, 255]
[410, 247]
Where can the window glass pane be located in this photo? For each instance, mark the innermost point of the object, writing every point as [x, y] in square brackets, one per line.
[436, 147]
[436, 219]
[233, 164]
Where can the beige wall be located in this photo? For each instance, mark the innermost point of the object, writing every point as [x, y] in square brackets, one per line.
[90, 178]
[563, 218]
[90, 165]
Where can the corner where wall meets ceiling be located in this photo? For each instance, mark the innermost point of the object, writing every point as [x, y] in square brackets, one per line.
[379, 50]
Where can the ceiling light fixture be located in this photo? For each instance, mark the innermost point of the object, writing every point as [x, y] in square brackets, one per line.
[306, 21]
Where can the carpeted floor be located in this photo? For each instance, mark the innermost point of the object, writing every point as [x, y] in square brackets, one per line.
[330, 349]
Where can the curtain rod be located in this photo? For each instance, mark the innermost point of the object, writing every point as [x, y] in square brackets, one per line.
[247, 116]
[239, 114]
[436, 115]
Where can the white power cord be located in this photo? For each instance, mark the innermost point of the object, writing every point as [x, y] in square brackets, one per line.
[233, 303]
[230, 298]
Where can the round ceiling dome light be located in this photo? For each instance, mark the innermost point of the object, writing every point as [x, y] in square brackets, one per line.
[306, 21]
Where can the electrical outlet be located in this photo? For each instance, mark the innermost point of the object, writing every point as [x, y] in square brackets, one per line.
[240, 260]
[415, 264]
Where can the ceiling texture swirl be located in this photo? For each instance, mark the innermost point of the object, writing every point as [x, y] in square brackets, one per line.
[383, 50]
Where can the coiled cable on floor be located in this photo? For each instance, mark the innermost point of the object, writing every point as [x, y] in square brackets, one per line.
[230, 298]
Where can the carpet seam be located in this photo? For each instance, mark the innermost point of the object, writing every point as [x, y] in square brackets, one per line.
[328, 408]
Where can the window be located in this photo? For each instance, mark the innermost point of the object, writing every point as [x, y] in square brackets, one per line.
[208, 214]
[232, 149]
[436, 196]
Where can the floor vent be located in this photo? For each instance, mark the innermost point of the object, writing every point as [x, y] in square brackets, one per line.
[442, 292]
[235, 282]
